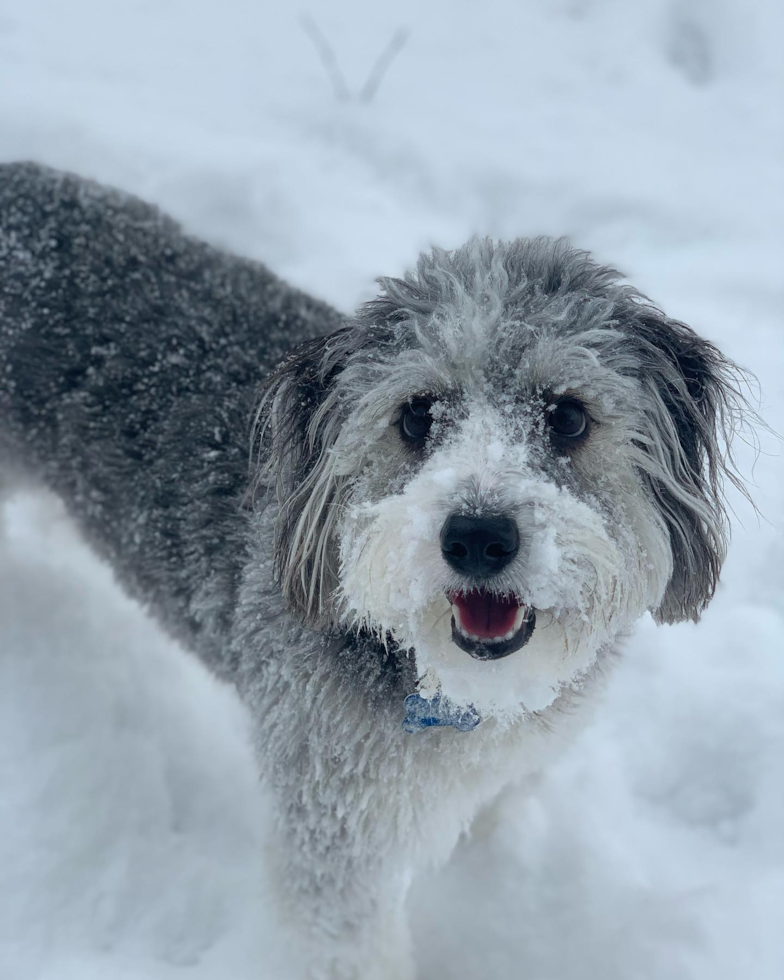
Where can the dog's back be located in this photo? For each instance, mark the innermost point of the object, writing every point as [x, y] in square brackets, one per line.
[129, 358]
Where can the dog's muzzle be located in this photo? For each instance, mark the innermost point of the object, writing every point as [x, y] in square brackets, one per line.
[485, 624]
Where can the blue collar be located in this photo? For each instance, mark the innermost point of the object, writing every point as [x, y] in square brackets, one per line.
[438, 712]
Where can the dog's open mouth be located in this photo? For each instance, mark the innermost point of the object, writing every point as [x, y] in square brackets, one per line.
[489, 626]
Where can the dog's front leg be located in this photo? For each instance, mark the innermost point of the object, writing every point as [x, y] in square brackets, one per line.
[342, 888]
[340, 857]
[327, 731]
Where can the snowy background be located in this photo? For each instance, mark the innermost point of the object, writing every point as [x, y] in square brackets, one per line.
[131, 826]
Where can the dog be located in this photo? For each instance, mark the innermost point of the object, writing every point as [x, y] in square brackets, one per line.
[411, 539]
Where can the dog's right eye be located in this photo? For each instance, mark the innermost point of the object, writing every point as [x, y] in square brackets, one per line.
[415, 420]
[567, 419]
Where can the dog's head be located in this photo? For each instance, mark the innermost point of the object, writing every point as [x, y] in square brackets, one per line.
[502, 462]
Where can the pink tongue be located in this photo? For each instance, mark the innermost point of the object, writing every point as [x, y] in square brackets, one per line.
[485, 615]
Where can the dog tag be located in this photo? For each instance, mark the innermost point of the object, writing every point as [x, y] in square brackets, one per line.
[437, 712]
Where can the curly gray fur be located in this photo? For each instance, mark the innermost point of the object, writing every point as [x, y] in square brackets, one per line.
[130, 356]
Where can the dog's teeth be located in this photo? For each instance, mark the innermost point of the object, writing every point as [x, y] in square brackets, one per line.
[520, 616]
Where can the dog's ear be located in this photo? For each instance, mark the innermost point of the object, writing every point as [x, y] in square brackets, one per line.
[693, 403]
[297, 422]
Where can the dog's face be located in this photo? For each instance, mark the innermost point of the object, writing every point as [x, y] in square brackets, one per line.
[503, 463]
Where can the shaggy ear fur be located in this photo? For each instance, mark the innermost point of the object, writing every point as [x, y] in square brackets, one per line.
[297, 422]
[693, 406]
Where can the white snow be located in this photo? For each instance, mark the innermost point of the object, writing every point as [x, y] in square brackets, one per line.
[131, 825]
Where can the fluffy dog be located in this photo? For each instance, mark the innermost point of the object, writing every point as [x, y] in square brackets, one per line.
[457, 501]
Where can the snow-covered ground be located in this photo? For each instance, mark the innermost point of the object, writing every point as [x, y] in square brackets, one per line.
[131, 826]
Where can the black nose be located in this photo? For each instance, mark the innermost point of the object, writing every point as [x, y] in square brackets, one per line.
[479, 545]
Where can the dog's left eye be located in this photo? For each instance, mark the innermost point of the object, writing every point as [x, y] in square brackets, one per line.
[567, 419]
[415, 420]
